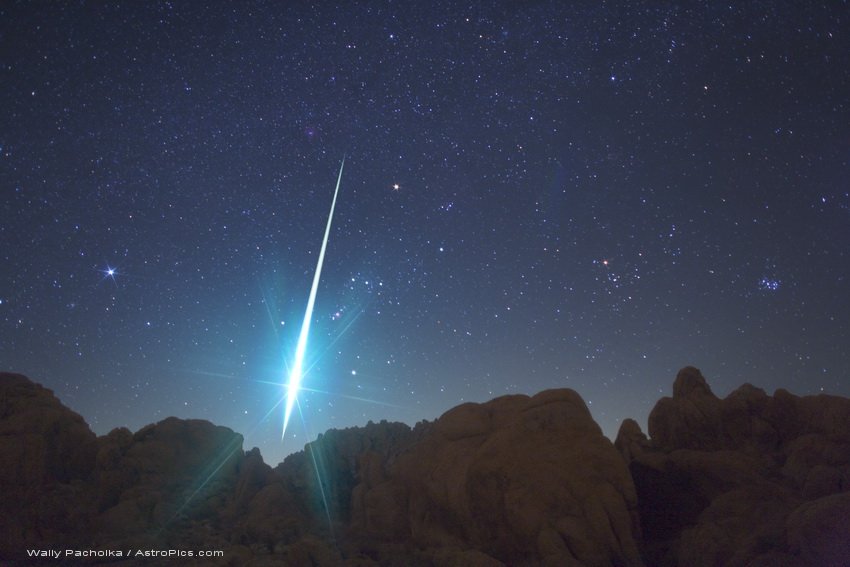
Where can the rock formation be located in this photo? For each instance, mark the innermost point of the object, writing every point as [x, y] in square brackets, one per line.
[747, 480]
[517, 480]
[47, 453]
[751, 479]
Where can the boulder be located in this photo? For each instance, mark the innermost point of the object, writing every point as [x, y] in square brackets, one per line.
[819, 531]
[47, 452]
[41, 440]
[164, 474]
[521, 480]
[750, 479]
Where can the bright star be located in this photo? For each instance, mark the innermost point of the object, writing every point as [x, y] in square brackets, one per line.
[109, 273]
[396, 186]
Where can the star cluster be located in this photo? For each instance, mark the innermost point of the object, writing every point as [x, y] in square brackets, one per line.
[535, 196]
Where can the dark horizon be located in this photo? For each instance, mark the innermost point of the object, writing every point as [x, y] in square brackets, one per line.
[751, 479]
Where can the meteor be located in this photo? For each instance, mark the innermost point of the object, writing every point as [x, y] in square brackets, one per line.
[296, 374]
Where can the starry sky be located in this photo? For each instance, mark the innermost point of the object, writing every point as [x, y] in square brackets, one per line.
[536, 195]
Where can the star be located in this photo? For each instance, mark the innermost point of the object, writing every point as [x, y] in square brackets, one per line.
[769, 284]
[109, 273]
[560, 203]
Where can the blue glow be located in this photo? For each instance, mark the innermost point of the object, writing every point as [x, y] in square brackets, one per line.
[109, 272]
[296, 374]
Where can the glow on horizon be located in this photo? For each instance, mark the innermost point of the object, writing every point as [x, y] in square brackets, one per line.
[296, 374]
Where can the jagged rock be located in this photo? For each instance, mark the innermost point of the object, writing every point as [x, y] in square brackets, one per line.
[165, 471]
[272, 518]
[691, 419]
[717, 479]
[325, 474]
[819, 531]
[522, 480]
[749, 480]
[42, 440]
[737, 526]
[46, 453]
[631, 441]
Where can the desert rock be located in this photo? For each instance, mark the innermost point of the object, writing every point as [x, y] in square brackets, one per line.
[750, 479]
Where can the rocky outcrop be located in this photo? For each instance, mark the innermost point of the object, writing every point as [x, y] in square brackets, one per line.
[151, 482]
[47, 452]
[750, 479]
[343, 458]
[518, 480]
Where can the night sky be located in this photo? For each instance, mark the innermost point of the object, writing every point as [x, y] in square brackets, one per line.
[536, 195]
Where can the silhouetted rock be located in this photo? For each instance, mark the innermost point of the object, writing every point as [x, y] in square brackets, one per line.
[43, 441]
[518, 480]
[630, 439]
[747, 480]
[46, 453]
[162, 475]
[819, 531]
[336, 456]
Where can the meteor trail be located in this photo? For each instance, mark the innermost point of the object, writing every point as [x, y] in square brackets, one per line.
[295, 375]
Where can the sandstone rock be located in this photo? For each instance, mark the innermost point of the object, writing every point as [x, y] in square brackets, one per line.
[749, 480]
[41, 441]
[46, 453]
[718, 478]
[737, 526]
[810, 451]
[519, 479]
[452, 557]
[167, 475]
[691, 419]
[819, 531]
[822, 481]
[272, 518]
[631, 441]
[326, 473]
[691, 383]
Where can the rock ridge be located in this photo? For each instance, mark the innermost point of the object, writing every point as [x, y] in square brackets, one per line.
[750, 479]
